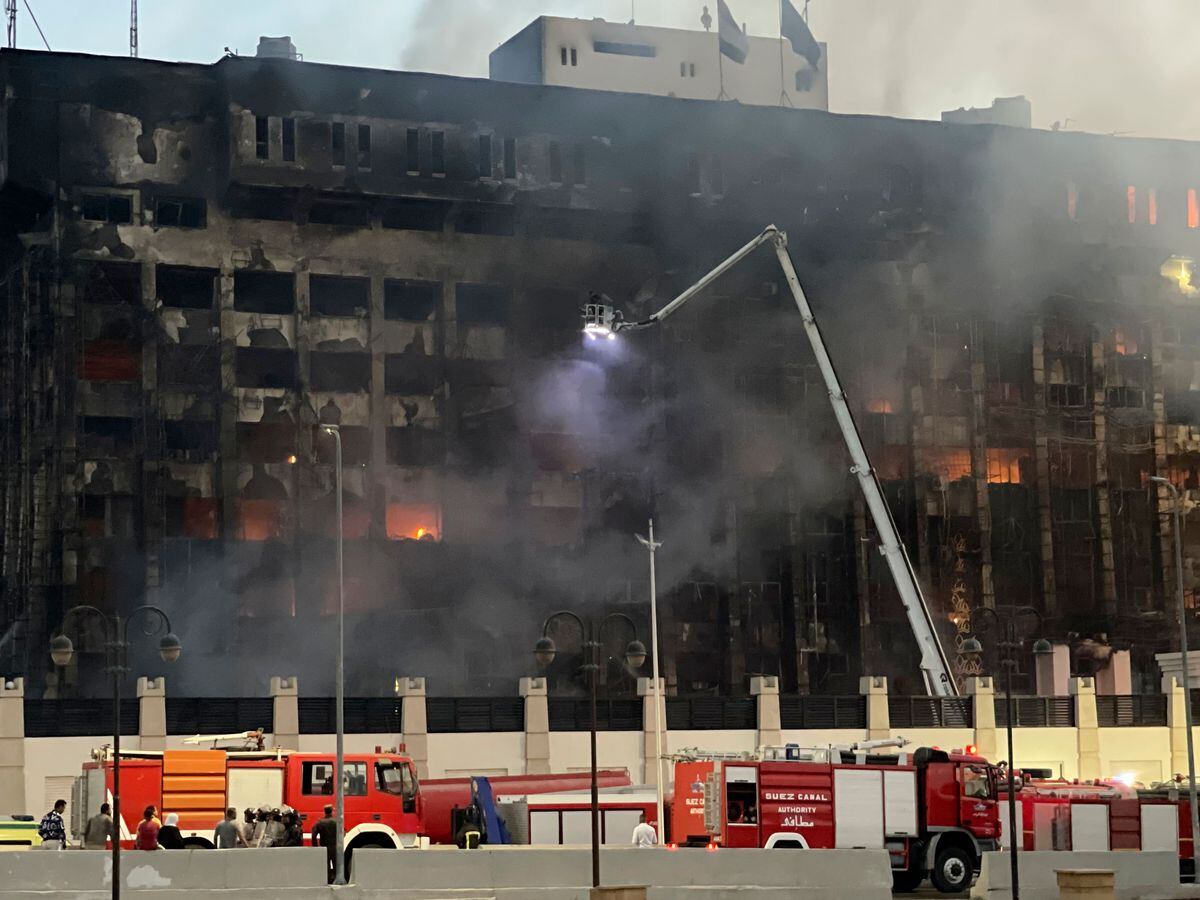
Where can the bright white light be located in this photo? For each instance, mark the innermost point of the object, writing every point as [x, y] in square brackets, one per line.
[591, 335]
[1127, 778]
[612, 335]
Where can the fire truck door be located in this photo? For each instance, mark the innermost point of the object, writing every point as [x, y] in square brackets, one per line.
[741, 806]
[1089, 826]
[1160, 827]
[858, 808]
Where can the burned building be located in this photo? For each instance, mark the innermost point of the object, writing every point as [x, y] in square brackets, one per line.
[202, 263]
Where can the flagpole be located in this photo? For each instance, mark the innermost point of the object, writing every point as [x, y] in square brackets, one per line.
[783, 94]
[721, 68]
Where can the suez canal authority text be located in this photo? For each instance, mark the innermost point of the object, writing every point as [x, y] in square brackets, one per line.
[797, 798]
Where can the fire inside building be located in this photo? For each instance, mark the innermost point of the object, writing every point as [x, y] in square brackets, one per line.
[202, 263]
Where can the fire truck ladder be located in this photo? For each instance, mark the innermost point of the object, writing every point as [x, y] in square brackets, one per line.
[935, 666]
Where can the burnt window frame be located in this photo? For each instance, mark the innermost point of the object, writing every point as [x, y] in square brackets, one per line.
[262, 137]
[510, 159]
[107, 199]
[363, 147]
[412, 150]
[437, 154]
[182, 204]
[250, 274]
[427, 290]
[287, 137]
[318, 280]
[337, 144]
[554, 153]
[469, 297]
[485, 157]
[165, 272]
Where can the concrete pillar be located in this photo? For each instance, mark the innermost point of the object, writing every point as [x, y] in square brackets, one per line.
[412, 712]
[1053, 671]
[982, 692]
[770, 726]
[875, 689]
[1176, 725]
[285, 712]
[646, 692]
[12, 745]
[537, 726]
[1087, 727]
[1116, 678]
[152, 713]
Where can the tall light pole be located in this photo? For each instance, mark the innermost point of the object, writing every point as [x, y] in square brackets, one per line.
[339, 857]
[116, 650]
[1009, 644]
[1187, 677]
[650, 544]
[635, 654]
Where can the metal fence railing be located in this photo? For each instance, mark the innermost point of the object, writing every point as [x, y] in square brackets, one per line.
[1131, 710]
[1037, 712]
[809, 711]
[573, 714]
[444, 715]
[363, 715]
[930, 712]
[219, 715]
[711, 713]
[77, 718]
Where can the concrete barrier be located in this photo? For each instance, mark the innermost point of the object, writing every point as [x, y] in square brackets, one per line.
[554, 873]
[1137, 873]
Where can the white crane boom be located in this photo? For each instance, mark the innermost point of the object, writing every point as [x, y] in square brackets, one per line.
[935, 666]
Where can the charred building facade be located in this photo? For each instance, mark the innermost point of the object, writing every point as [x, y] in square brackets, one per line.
[203, 262]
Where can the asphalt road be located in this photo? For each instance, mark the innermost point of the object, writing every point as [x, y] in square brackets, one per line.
[928, 892]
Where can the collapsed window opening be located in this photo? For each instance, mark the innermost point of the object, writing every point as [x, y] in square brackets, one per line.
[262, 137]
[510, 158]
[339, 371]
[411, 374]
[189, 365]
[194, 439]
[259, 367]
[115, 209]
[555, 163]
[412, 214]
[289, 140]
[324, 212]
[414, 522]
[412, 151]
[266, 442]
[264, 292]
[270, 205]
[437, 152]
[191, 517]
[106, 516]
[410, 300]
[260, 520]
[337, 295]
[1009, 465]
[102, 436]
[364, 146]
[414, 445]
[485, 439]
[485, 156]
[337, 143]
[356, 445]
[486, 218]
[619, 49]
[1125, 397]
[482, 304]
[112, 282]
[180, 212]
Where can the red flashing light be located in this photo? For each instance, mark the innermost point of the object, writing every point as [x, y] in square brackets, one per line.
[971, 749]
[672, 846]
[711, 848]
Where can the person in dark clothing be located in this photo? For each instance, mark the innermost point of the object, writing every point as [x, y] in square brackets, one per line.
[169, 837]
[293, 833]
[324, 834]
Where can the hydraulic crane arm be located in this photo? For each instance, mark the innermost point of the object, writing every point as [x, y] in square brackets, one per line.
[935, 667]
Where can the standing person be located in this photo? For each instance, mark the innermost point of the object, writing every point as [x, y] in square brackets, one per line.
[247, 828]
[52, 831]
[644, 834]
[293, 835]
[99, 829]
[324, 834]
[169, 837]
[147, 830]
[228, 834]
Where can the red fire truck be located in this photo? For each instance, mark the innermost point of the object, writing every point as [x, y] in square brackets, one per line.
[934, 811]
[383, 800]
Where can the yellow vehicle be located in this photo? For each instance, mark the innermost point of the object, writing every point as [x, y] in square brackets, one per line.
[18, 833]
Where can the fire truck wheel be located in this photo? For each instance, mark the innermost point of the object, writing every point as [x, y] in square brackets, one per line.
[953, 870]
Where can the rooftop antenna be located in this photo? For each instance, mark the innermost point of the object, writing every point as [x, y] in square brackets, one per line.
[10, 9]
[133, 29]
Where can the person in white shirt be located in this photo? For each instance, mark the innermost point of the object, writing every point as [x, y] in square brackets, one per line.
[644, 834]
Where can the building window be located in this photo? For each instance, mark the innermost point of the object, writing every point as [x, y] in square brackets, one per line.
[406, 300]
[273, 293]
[555, 163]
[335, 295]
[510, 158]
[116, 209]
[562, 55]
[574, 57]
[1131, 204]
[485, 156]
[618, 49]
[1152, 206]
[580, 172]
[437, 152]
[1193, 209]
[262, 137]
[482, 304]
[179, 212]
[289, 140]
[1072, 201]
[691, 70]
[337, 144]
[413, 151]
[364, 146]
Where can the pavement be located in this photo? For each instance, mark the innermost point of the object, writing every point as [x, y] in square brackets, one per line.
[927, 892]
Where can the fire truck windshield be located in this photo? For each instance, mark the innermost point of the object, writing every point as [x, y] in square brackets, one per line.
[396, 779]
[977, 782]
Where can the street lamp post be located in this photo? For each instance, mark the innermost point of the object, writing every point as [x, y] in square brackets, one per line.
[1010, 643]
[650, 544]
[1183, 660]
[635, 654]
[116, 649]
[339, 857]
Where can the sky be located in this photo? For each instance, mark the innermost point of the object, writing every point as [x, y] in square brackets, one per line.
[1106, 66]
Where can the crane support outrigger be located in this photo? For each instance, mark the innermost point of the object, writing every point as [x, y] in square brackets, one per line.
[935, 667]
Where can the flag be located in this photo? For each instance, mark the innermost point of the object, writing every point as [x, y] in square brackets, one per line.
[795, 29]
[734, 43]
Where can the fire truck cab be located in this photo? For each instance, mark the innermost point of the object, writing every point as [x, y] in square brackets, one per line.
[935, 812]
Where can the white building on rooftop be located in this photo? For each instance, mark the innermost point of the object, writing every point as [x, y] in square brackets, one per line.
[669, 62]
